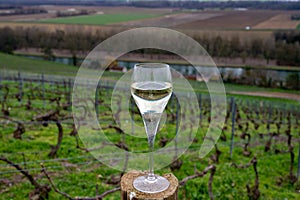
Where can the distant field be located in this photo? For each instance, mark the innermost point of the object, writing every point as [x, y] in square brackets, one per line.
[52, 27]
[230, 20]
[53, 9]
[102, 19]
[280, 21]
[226, 23]
[238, 20]
[298, 27]
[198, 20]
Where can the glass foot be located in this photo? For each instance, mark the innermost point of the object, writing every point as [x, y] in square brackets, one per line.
[159, 184]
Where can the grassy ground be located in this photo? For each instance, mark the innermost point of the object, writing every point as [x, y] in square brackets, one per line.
[102, 19]
[21, 64]
[76, 172]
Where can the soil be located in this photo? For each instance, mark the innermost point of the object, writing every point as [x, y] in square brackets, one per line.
[231, 20]
[172, 20]
[281, 21]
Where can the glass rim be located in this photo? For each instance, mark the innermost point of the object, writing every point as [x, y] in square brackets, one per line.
[151, 65]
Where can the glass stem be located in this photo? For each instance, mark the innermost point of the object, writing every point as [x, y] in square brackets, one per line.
[151, 121]
[151, 176]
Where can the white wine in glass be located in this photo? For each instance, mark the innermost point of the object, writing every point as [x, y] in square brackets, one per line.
[151, 88]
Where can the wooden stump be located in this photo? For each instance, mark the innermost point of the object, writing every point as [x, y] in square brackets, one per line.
[128, 192]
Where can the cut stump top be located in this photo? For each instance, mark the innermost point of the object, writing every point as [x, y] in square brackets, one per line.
[128, 192]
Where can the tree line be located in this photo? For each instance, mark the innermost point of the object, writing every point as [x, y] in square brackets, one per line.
[24, 11]
[75, 41]
[219, 4]
[272, 5]
[283, 46]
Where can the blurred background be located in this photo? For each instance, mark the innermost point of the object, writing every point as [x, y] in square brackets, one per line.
[255, 45]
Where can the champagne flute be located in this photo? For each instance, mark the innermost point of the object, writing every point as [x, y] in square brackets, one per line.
[151, 88]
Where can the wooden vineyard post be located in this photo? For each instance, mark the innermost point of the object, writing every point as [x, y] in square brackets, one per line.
[20, 87]
[128, 192]
[70, 94]
[233, 110]
[43, 90]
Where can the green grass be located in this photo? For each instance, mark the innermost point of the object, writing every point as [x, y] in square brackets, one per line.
[18, 63]
[298, 27]
[103, 19]
[229, 183]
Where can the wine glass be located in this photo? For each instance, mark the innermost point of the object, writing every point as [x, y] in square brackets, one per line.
[151, 88]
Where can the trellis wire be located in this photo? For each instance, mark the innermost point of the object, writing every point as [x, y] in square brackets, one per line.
[50, 160]
[193, 149]
[107, 86]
